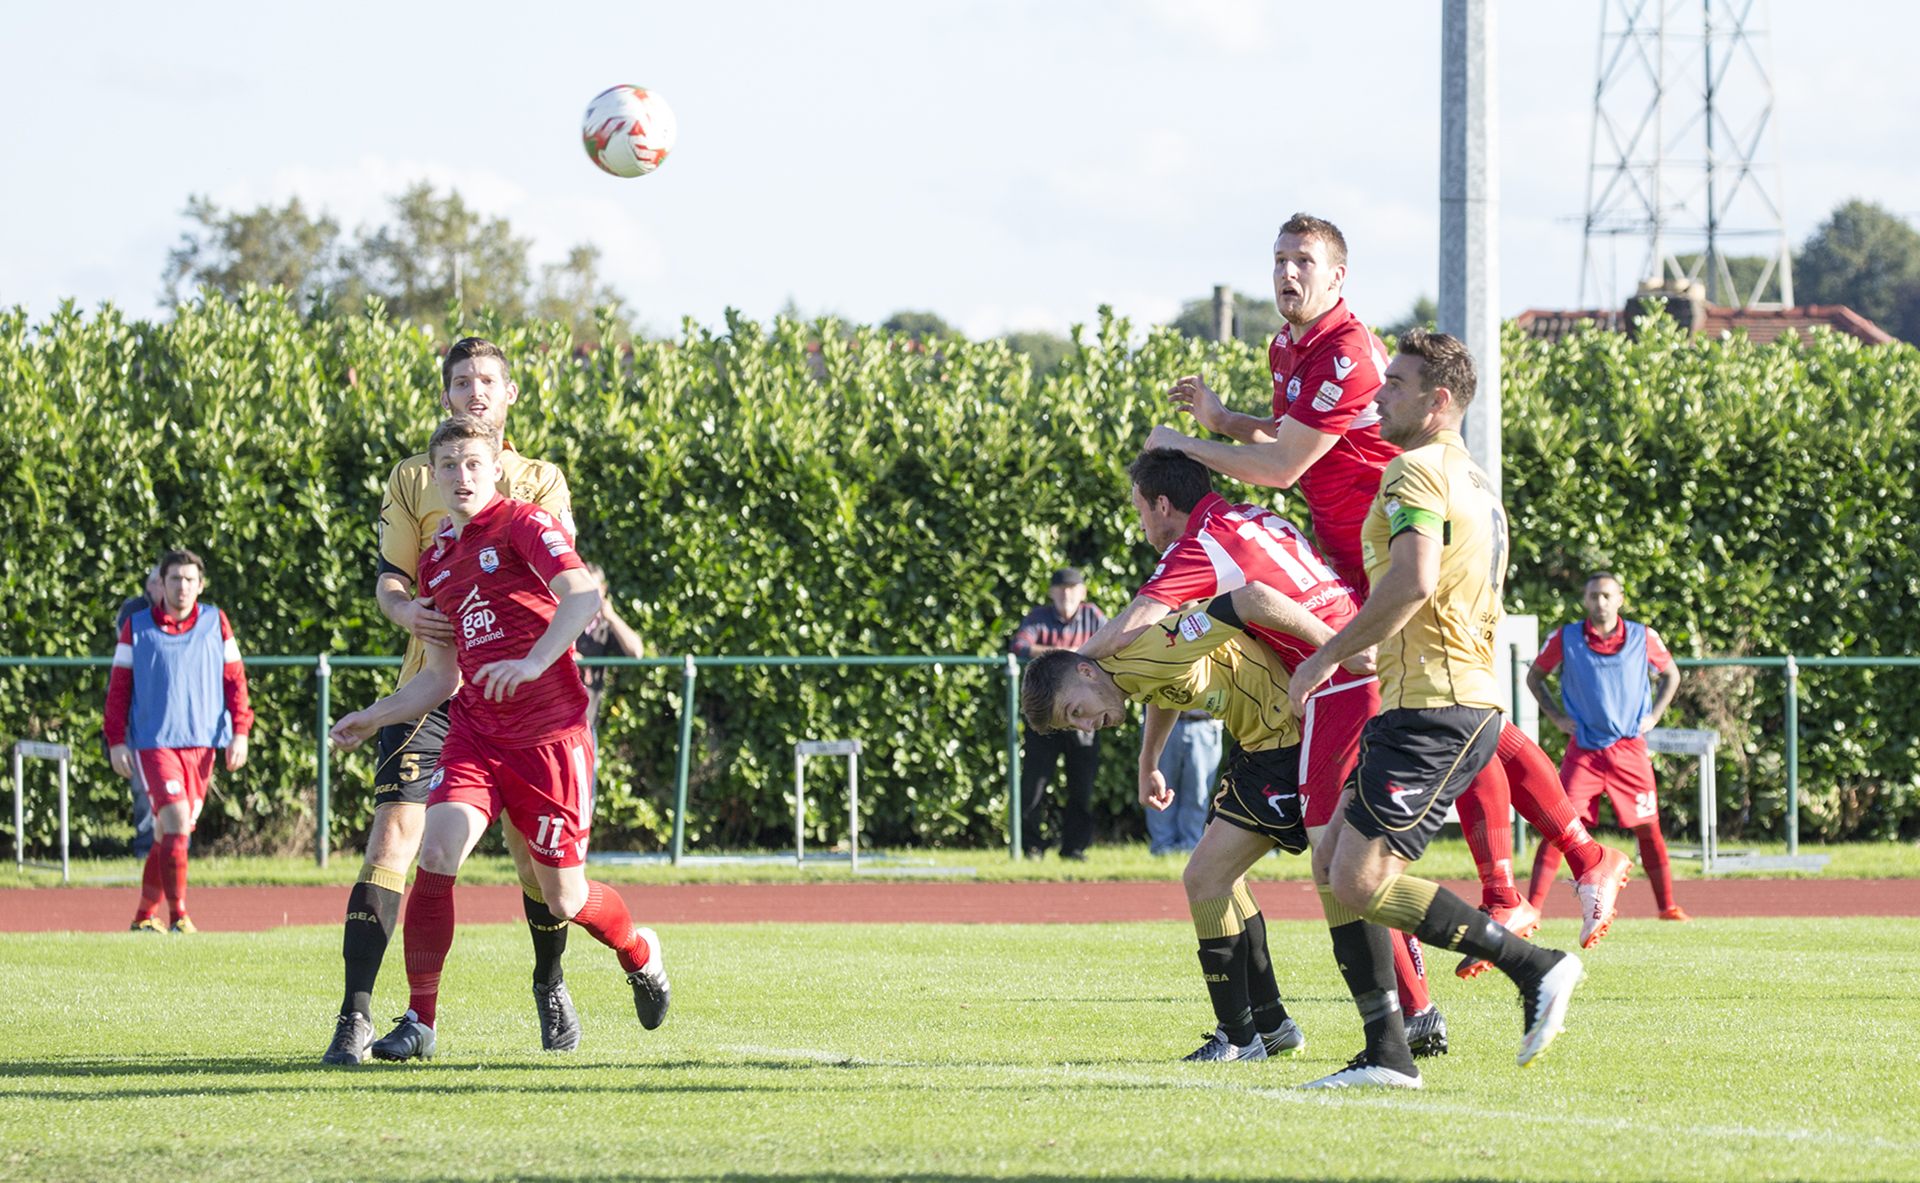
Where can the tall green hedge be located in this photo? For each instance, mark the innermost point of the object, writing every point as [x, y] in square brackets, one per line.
[800, 488]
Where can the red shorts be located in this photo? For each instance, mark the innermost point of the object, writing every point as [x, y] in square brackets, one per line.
[546, 790]
[173, 775]
[1330, 740]
[1622, 771]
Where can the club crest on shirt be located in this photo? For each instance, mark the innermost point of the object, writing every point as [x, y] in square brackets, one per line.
[1293, 388]
[489, 559]
[1329, 396]
[1195, 626]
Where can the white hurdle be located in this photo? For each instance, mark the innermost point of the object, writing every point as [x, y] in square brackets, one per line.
[850, 748]
[61, 755]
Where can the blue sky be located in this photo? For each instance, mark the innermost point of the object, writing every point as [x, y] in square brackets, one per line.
[1007, 165]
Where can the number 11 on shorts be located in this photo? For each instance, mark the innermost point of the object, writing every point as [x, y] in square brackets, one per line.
[558, 826]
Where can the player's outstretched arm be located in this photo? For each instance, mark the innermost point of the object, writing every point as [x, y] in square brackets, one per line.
[1154, 792]
[1277, 464]
[1124, 629]
[1413, 573]
[579, 598]
[1192, 395]
[433, 685]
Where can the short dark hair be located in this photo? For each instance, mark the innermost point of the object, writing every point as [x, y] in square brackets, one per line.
[1446, 362]
[1170, 473]
[459, 430]
[181, 558]
[1604, 575]
[1308, 226]
[1041, 683]
[472, 349]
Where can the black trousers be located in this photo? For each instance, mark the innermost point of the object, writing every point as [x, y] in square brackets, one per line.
[1039, 756]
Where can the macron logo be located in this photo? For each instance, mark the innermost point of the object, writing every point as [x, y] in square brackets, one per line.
[1342, 366]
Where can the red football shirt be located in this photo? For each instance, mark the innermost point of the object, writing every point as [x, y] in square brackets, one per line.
[1228, 546]
[491, 581]
[1327, 381]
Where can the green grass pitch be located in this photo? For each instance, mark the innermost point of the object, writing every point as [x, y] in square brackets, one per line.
[1716, 1050]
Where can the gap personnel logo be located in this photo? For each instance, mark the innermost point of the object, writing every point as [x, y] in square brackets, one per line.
[1329, 396]
[477, 620]
[489, 559]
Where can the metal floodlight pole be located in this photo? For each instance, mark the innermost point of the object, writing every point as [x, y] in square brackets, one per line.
[1793, 755]
[1470, 212]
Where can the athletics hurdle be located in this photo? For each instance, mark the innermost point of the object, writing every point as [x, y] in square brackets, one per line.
[850, 748]
[61, 755]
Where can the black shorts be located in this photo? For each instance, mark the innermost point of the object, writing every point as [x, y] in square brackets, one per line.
[409, 752]
[1413, 763]
[1260, 791]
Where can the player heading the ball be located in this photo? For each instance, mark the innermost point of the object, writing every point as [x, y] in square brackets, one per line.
[506, 574]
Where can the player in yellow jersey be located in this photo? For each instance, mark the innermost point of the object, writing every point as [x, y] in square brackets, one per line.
[476, 381]
[1435, 546]
[1204, 661]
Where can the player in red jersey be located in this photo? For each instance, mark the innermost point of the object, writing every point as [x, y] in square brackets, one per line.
[517, 736]
[1210, 548]
[1608, 710]
[178, 690]
[1324, 430]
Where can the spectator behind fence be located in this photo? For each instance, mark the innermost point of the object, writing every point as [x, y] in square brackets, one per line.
[177, 692]
[606, 635]
[142, 811]
[1063, 623]
[1609, 708]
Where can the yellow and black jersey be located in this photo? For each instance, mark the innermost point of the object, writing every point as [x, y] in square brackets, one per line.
[411, 513]
[1444, 655]
[1192, 662]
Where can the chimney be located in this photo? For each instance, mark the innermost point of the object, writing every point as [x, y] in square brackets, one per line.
[1685, 302]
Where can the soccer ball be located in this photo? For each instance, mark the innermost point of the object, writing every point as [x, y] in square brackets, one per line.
[628, 130]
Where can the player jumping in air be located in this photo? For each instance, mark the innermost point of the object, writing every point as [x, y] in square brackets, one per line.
[1209, 548]
[475, 381]
[1324, 431]
[1603, 663]
[177, 691]
[1435, 543]
[506, 572]
[1203, 661]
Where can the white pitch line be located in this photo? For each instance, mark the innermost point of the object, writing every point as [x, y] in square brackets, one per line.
[1396, 1101]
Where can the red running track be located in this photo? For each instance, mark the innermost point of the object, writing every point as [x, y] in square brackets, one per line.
[251, 909]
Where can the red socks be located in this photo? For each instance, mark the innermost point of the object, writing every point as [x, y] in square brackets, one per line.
[1410, 972]
[150, 890]
[171, 852]
[605, 917]
[1534, 785]
[1653, 860]
[429, 934]
[1487, 825]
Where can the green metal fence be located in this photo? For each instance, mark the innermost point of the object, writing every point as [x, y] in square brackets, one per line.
[690, 666]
